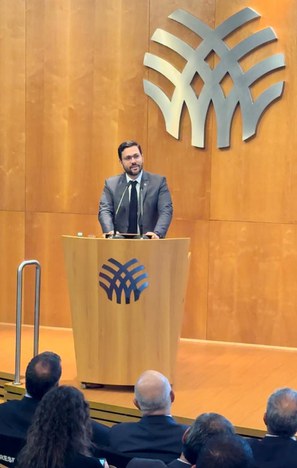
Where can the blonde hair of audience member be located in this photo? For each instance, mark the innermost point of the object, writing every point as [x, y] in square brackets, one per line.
[153, 394]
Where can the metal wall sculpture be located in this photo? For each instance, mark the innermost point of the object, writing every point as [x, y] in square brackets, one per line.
[224, 106]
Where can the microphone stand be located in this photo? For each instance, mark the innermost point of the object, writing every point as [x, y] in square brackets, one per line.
[140, 219]
[115, 234]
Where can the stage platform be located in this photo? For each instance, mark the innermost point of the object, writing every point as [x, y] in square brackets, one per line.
[231, 379]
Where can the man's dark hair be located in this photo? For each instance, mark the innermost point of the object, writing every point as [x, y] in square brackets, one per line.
[225, 451]
[281, 412]
[128, 144]
[43, 372]
[205, 426]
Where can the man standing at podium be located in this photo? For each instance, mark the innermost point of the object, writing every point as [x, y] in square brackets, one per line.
[135, 202]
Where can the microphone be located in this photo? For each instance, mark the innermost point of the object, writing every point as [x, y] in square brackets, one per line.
[115, 235]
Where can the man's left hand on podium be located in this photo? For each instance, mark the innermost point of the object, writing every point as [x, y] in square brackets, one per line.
[152, 235]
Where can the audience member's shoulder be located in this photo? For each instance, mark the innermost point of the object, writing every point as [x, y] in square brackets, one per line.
[7, 404]
[100, 433]
[122, 426]
[273, 441]
[183, 427]
[10, 405]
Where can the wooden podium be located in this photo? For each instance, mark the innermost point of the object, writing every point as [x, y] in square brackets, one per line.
[116, 338]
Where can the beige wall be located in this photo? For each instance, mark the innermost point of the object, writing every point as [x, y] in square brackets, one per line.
[71, 90]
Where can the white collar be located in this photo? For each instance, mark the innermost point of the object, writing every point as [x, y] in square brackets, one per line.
[138, 179]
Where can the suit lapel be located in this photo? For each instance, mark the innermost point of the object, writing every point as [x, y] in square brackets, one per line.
[120, 188]
[144, 184]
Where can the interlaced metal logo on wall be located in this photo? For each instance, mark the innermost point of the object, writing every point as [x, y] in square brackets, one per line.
[123, 280]
[224, 106]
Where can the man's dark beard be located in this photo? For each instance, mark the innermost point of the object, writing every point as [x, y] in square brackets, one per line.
[131, 173]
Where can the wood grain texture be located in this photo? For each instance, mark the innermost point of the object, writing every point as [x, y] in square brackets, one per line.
[252, 286]
[12, 248]
[197, 289]
[84, 95]
[115, 342]
[256, 181]
[187, 168]
[12, 109]
[43, 242]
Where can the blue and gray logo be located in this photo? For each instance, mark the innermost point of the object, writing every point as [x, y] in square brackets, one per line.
[228, 66]
[123, 280]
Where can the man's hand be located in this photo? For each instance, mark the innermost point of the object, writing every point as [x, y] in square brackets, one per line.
[152, 235]
[108, 234]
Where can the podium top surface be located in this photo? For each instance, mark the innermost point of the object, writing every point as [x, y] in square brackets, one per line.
[94, 237]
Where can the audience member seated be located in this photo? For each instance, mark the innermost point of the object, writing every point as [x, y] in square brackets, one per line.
[278, 449]
[225, 451]
[42, 374]
[157, 434]
[60, 433]
[205, 426]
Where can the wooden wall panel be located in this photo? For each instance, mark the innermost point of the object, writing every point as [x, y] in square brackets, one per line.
[12, 250]
[186, 167]
[12, 109]
[195, 314]
[256, 180]
[44, 243]
[252, 283]
[84, 93]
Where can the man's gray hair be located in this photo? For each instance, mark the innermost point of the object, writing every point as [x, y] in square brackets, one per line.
[153, 392]
[281, 412]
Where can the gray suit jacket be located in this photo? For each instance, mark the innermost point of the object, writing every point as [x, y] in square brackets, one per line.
[154, 202]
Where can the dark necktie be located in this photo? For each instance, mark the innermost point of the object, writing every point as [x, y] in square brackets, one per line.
[133, 208]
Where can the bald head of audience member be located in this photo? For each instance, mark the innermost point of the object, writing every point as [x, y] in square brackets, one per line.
[205, 426]
[43, 373]
[225, 451]
[153, 394]
[281, 413]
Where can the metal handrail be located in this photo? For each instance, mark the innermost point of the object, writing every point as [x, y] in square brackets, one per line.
[19, 314]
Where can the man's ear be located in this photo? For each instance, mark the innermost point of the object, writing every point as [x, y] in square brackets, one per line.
[136, 403]
[172, 396]
[265, 418]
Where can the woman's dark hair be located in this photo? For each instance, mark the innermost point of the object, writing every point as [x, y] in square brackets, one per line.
[61, 428]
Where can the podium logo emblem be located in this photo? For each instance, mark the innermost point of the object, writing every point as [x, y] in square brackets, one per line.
[199, 73]
[123, 281]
